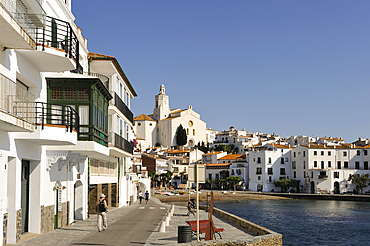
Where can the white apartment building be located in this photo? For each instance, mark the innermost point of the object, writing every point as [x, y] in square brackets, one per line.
[267, 164]
[326, 169]
[213, 156]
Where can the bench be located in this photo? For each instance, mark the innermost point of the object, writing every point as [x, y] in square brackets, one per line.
[203, 227]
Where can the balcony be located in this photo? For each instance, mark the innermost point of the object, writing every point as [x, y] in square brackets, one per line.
[18, 22]
[17, 107]
[116, 101]
[57, 48]
[104, 79]
[322, 175]
[55, 125]
[119, 142]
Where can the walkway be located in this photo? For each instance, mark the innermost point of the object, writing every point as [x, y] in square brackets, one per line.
[137, 224]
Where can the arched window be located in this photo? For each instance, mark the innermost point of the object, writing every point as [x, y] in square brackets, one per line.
[193, 132]
[187, 131]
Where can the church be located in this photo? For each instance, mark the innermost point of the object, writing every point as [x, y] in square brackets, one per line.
[159, 128]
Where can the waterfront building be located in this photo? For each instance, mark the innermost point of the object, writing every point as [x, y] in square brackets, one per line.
[210, 136]
[326, 168]
[268, 163]
[41, 189]
[213, 156]
[160, 127]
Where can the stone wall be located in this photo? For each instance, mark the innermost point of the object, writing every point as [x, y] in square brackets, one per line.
[5, 228]
[19, 226]
[109, 190]
[62, 216]
[47, 219]
[264, 235]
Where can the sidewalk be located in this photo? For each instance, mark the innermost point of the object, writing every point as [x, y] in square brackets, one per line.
[122, 220]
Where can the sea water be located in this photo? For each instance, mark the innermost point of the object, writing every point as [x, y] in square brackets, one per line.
[308, 222]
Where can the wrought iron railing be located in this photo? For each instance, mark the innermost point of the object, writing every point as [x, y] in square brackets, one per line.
[121, 143]
[104, 79]
[59, 34]
[16, 100]
[57, 115]
[28, 13]
[117, 101]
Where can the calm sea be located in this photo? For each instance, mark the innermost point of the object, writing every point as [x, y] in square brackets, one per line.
[308, 222]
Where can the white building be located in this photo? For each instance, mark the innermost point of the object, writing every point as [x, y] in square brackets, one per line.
[161, 126]
[326, 169]
[267, 164]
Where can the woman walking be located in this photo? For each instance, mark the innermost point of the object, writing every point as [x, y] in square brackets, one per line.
[140, 196]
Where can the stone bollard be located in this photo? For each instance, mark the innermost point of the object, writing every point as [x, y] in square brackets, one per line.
[172, 209]
[168, 219]
[162, 227]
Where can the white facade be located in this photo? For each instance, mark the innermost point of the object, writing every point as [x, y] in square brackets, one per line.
[163, 130]
[266, 165]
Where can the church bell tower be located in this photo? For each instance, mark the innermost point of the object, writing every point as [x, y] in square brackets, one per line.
[162, 105]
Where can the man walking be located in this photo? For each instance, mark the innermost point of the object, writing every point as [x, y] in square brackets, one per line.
[140, 196]
[102, 213]
[147, 197]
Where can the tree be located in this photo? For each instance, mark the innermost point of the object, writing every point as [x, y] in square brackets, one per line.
[223, 183]
[233, 180]
[283, 183]
[202, 147]
[211, 182]
[361, 181]
[153, 177]
[226, 148]
[166, 178]
[181, 137]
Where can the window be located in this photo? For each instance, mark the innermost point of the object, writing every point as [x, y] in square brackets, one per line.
[315, 164]
[346, 164]
[217, 176]
[304, 174]
[259, 177]
[293, 165]
[193, 132]
[269, 171]
[304, 164]
[322, 165]
[311, 175]
[258, 159]
[365, 151]
[293, 154]
[282, 171]
[282, 160]
[259, 170]
[358, 152]
[315, 153]
[329, 153]
[187, 131]
[344, 153]
[210, 175]
[366, 165]
[175, 169]
[322, 152]
[357, 165]
[83, 112]
[304, 153]
[336, 175]
[339, 165]
[270, 160]
[232, 172]
[329, 163]
[294, 174]
[270, 179]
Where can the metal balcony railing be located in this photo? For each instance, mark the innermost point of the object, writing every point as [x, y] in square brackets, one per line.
[16, 100]
[28, 13]
[57, 115]
[117, 101]
[121, 143]
[104, 79]
[59, 34]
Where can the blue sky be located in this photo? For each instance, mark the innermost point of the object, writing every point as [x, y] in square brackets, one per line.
[288, 67]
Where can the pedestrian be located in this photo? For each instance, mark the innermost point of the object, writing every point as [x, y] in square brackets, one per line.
[147, 197]
[102, 213]
[140, 196]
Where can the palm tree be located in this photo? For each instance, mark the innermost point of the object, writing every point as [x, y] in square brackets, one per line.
[233, 180]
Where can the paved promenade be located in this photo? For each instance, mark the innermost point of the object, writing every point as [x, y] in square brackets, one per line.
[137, 224]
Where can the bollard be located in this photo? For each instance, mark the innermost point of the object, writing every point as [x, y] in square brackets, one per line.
[172, 209]
[167, 219]
[162, 227]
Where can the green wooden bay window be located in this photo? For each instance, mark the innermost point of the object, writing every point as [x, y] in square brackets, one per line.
[90, 98]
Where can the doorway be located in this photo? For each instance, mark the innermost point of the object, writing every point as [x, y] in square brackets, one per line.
[78, 200]
[25, 194]
[312, 187]
[336, 187]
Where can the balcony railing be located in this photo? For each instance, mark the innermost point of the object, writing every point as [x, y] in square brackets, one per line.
[16, 100]
[28, 13]
[56, 115]
[104, 79]
[122, 107]
[59, 34]
[119, 142]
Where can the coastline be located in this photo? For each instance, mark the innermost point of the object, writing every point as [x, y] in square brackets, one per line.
[218, 196]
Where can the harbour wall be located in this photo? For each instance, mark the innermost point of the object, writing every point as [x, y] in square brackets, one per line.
[263, 236]
[336, 197]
